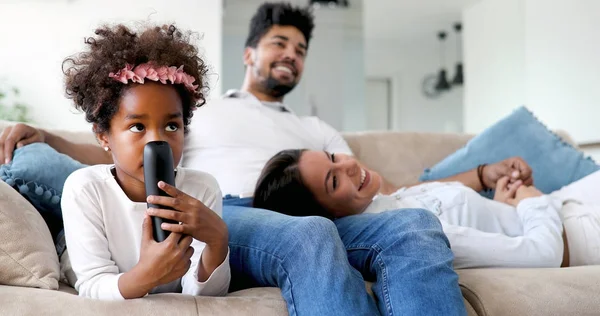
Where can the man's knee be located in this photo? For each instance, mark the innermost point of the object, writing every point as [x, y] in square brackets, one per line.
[419, 226]
[251, 225]
[311, 229]
[414, 219]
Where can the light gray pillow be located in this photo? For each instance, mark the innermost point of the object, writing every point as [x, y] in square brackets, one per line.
[27, 253]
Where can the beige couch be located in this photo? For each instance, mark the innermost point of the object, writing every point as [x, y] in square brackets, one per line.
[401, 156]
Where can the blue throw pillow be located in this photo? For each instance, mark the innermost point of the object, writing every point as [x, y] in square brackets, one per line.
[554, 162]
[39, 172]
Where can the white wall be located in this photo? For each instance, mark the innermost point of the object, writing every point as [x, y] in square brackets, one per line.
[495, 81]
[333, 83]
[407, 64]
[540, 53]
[37, 35]
[563, 64]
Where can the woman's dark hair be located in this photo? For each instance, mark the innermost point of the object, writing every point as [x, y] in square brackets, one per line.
[86, 74]
[280, 187]
[279, 13]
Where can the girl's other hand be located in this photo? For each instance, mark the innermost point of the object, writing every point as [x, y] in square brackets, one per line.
[166, 261]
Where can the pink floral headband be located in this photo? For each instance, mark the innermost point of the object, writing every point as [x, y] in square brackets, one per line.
[149, 71]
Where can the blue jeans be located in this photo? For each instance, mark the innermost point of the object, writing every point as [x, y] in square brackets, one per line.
[321, 265]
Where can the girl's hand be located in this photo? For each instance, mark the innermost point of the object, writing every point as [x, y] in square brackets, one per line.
[196, 219]
[166, 261]
[159, 263]
[505, 191]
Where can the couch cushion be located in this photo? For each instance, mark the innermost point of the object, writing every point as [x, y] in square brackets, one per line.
[256, 301]
[556, 291]
[520, 134]
[36, 302]
[27, 254]
[265, 301]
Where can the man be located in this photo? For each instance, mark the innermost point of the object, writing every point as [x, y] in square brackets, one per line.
[319, 265]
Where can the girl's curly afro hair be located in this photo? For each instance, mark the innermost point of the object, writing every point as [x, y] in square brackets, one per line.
[86, 74]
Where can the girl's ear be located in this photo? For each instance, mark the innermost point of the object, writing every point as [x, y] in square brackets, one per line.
[102, 137]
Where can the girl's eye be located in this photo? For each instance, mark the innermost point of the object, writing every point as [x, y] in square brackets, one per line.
[332, 157]
[137, 128]
[172, 127]
[334, 182]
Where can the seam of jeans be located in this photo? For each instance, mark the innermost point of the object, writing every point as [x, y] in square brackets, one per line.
[384, 275]
[280, 260]
[293, 311]
[377, 249]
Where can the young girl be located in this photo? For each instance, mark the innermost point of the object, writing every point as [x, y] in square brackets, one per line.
[136, 88]
[519, 228]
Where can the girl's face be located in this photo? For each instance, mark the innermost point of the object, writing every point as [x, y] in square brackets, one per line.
[338, 182]
[147, 112]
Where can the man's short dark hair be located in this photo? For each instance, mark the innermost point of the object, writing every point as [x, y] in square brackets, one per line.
[279, 13]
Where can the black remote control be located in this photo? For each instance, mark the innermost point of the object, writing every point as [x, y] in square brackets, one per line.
[158, 166]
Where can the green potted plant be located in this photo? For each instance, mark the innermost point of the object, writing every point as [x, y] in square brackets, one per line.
[11, 109]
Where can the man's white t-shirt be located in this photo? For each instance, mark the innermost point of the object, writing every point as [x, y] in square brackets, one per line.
[103, 231]
[232, 138]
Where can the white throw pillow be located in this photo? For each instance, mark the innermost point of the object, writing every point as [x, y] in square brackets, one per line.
[27, 253]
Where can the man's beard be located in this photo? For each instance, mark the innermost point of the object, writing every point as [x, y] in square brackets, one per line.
[275, 88]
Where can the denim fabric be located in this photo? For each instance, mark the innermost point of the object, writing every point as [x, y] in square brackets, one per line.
[235, 201]
[321, 266]
[554, 162]
[39, 172]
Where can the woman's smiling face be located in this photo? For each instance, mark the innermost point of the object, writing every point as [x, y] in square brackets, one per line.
[338, 182]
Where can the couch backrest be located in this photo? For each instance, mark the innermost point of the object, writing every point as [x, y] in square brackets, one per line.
[402, 156]
[84, 137]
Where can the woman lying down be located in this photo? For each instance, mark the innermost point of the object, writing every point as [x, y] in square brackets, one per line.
[521, 227]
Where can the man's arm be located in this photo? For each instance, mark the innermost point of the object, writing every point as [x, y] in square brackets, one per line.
[515, 168]
[21, 135]
[85, 153]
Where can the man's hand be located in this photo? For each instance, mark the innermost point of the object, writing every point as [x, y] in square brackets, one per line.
[514, 168]
[17, 136]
